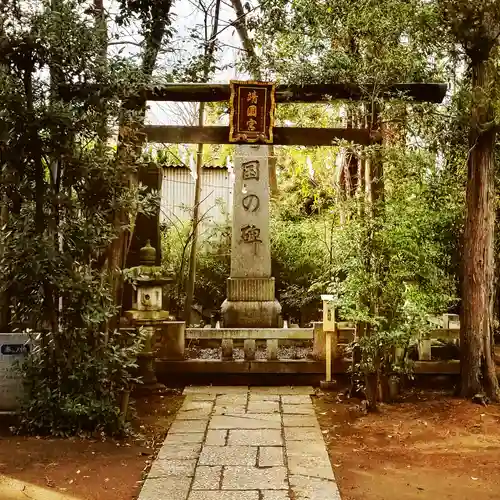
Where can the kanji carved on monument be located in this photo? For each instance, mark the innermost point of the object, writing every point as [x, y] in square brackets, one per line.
[251, 203]
[250, 234]
[250, 170]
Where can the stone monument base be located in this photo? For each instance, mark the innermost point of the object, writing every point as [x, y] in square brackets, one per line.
[251, 314]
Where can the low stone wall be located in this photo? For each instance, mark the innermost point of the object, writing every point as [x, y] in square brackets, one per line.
[171, 339]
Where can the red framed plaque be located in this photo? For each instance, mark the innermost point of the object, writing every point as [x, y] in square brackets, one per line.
[252, 111]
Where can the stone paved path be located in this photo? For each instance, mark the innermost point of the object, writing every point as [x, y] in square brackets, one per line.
[240, 443]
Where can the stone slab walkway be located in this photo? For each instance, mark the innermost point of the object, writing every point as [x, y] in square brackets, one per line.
[240, 443]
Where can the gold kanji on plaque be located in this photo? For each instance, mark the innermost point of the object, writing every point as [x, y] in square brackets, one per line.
[252, 97]
[252, 107]
[252, 110]
[251, 125]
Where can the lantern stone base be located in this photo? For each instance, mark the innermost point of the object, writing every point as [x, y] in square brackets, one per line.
[146, 359]
[146, 369]
[251, 314]
[146, 318]
[328, 385]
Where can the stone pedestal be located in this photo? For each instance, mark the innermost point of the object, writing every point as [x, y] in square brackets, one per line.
[172, 337]
[319, 342]
[251, 299]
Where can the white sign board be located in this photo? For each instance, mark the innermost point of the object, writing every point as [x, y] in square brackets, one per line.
[328, 313]
[13, 349]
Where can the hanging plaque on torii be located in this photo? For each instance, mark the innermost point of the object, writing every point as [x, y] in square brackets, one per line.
[252, 107]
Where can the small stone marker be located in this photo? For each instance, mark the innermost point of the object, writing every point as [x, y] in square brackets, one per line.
[13, 349]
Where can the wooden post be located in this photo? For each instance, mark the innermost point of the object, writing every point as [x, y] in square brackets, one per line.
[331, 345]
[330, 333]
[335, 336]
[328, 356]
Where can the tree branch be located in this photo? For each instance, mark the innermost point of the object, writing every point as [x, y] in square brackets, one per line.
[248, 45]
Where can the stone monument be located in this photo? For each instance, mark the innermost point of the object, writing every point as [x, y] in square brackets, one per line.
[251, 301]
[13, 350]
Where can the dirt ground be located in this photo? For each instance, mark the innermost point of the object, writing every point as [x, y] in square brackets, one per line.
[87, 469]
[428, 446]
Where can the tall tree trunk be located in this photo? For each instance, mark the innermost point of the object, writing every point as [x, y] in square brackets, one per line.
[38, 165]
[376, 164]
[4, 219]
[375, 186]
[128, 151]
[195, 223]
[476, 330]
[102, 33]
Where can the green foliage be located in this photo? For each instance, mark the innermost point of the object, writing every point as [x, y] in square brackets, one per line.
[175, 244]
[306, 41]
[307, 178]
[78, 390]
[63, 189]
[392, 255]
[212, 263]
[300, 251]
[213, 267]
[391, 270]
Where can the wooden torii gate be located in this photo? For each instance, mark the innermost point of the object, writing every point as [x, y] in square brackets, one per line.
[251, 301]
[299, 136]
[211, 92]
[285, 136]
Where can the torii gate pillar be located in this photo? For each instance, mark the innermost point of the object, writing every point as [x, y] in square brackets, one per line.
[251, 301]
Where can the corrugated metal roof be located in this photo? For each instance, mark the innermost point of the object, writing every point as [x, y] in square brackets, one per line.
[186, 166]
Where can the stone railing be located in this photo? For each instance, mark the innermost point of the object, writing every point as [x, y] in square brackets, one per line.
[227, 336]
[448, 329]
[170, 339]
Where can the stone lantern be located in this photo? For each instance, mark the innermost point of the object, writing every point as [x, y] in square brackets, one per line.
[147, 310]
